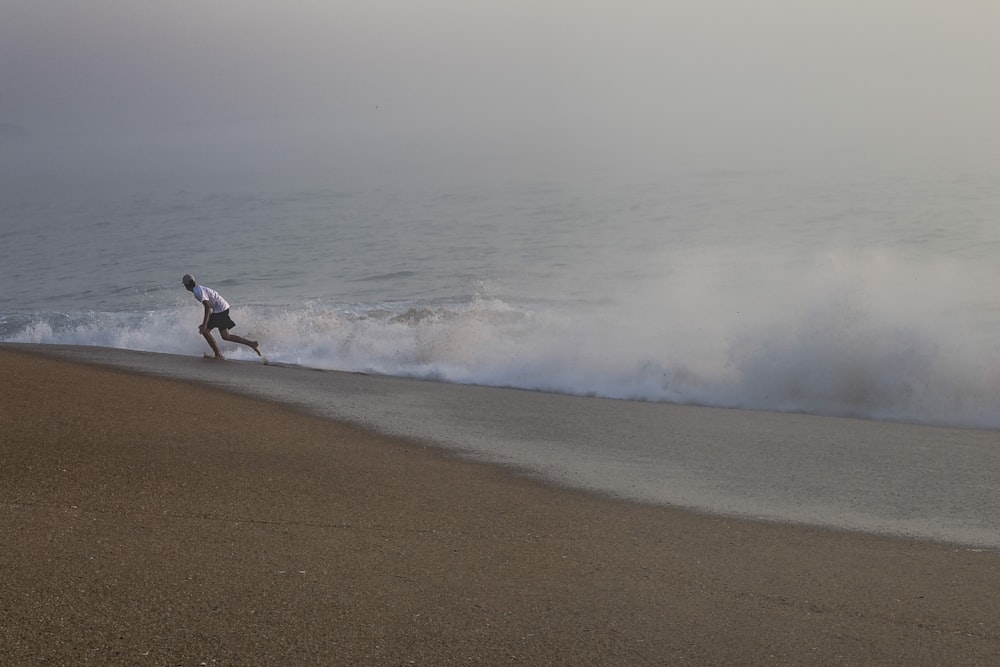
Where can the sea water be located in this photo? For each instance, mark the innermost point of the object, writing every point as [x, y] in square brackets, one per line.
[860, 293]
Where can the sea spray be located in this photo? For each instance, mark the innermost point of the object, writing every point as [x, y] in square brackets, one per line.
[867, 335]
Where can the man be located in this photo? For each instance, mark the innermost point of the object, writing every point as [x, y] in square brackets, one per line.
[216, 316]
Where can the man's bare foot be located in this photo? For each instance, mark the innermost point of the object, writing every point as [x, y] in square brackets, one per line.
[217, 357]
[255, 346]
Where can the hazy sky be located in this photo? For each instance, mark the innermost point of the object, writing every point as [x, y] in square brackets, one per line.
[717, 81]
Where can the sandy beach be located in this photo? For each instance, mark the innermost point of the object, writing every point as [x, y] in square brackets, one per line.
[153, 521]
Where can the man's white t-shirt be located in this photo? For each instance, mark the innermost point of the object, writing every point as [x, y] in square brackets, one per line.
[215, 300]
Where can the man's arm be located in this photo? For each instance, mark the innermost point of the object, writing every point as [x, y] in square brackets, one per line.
[208, 312]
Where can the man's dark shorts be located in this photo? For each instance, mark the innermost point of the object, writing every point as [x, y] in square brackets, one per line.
[220, 321]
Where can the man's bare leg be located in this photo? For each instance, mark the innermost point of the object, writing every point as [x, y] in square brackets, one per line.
[233, 338]
[215, 347]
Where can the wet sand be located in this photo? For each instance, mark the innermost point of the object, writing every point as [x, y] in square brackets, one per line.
[154, 521]
[899, 479]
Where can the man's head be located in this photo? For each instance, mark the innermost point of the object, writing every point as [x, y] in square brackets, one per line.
[188, 281]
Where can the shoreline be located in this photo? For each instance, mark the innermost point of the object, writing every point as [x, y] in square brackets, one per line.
[924, 482]
[156, 521]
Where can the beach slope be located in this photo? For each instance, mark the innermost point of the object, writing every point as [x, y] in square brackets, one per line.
[155, 521]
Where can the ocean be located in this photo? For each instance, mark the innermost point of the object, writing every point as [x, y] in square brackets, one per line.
[862, 293]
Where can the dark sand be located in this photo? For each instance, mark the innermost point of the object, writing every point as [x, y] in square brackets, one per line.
[146, 521]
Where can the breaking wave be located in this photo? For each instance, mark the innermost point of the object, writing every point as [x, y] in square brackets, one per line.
[868, 338]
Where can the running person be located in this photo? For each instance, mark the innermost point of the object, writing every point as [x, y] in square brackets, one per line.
[216, 316]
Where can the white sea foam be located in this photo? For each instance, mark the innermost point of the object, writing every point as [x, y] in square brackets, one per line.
[862, 335]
